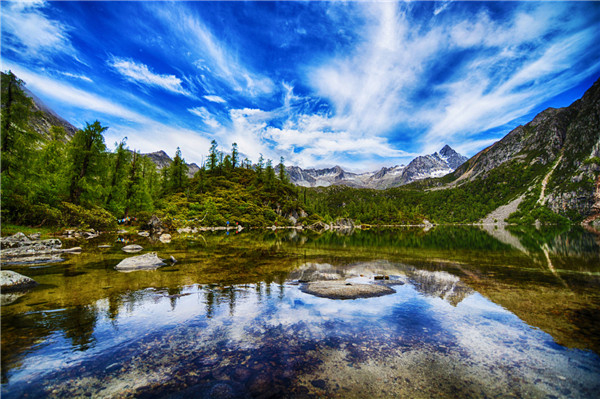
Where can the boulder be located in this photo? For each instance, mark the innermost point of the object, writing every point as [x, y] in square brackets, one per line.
[16, 240]
[156, 225]
[346, 290]
[147, 261]
[19, 249]
[13, 281]
[132, 248]
[143, 234]
[165, 238]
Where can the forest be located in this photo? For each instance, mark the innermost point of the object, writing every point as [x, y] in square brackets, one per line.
[51, 180]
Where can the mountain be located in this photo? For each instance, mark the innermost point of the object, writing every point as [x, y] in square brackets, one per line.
[559, 149]
[422, 167]
[43, 118]
[161, 160]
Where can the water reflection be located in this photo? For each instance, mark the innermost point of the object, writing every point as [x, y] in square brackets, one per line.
[231, 318]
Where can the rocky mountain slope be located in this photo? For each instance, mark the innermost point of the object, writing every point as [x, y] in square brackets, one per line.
[43, 118]
[559, 148]
[162, 159]
[422, 167]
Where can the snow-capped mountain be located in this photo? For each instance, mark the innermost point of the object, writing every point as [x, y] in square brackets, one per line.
[422, 167]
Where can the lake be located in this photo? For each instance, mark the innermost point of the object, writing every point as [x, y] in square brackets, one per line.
[472, 312]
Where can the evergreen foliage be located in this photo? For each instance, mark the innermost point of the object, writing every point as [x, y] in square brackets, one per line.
[49, 181]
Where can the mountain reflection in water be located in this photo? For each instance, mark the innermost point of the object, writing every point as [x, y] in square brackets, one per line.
[222, 324]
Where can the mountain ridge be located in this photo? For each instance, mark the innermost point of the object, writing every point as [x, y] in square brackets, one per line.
[421, 167]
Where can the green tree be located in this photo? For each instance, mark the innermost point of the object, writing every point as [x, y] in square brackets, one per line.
[178, 173]
[18, 139]
[115, 198]
[234, 155]
[86, 154]
[282, 174]
[50, 169]
[213, 157]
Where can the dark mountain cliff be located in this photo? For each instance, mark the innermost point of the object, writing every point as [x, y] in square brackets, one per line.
[561, 145]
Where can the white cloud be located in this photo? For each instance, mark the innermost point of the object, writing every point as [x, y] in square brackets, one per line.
[215, 99]
[143, 132]
[72, 96]
[205, 115]
[76, 76]
[159, 136]
[211, 54]
[27, 30]
[517, 63]
[140, 73]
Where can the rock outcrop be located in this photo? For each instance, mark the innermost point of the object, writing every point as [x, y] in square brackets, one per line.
[13, 281]
[20, 249]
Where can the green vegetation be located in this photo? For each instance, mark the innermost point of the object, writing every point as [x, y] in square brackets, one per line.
[48, 180]
[409, 204]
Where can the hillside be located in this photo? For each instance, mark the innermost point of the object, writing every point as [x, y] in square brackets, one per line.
[548, 170]
[559, 147]
[43, 118]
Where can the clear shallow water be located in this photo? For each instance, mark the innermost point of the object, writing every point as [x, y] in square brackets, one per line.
[231, 320]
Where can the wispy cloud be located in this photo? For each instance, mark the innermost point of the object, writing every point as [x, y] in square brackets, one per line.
[76, 76]
[215, 99]
[72, 96]
[141, 74]
[27, 30]
[205, 115]
[211, 55]
[410, 72]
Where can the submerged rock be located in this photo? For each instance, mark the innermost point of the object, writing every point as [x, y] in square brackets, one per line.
[13, 281]
[147, 261]
[132, 248]
[346, 290]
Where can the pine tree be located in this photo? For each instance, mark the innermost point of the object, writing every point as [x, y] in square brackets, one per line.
[86, 155]
[178, 173]
[115, 198]
[18, 139]
[234, 155]
[213, 157]
[282, 174]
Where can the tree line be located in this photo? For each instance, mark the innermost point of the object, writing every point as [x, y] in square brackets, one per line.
[49, 179]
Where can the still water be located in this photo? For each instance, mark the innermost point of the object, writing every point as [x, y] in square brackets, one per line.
[473, 313]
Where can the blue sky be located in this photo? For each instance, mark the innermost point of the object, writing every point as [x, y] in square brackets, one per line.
[357, 84]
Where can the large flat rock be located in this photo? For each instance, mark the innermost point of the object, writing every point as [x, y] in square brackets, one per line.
[346, 290]
[147, 261]
[13, 281]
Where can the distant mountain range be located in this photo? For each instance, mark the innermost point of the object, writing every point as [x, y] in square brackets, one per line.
[422, 167]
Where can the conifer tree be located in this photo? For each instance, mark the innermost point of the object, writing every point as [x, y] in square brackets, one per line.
[86, 155]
